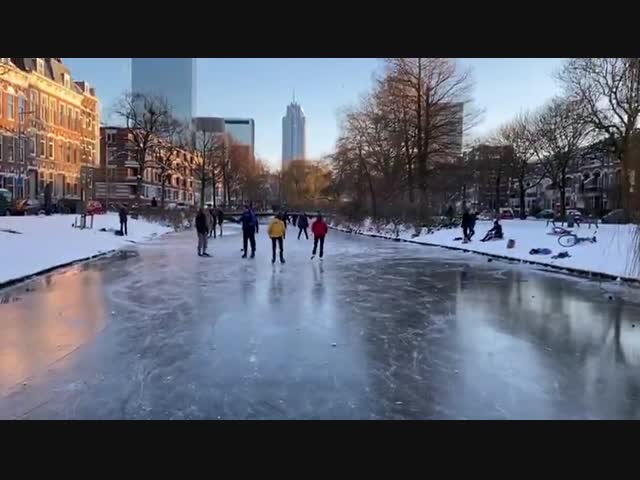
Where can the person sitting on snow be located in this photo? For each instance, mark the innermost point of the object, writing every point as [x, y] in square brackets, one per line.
[494, 233]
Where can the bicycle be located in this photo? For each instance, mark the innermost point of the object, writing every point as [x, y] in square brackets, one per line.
[571, 239]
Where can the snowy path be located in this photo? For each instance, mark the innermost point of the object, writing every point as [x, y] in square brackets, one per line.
[419, 332]
[612, 254]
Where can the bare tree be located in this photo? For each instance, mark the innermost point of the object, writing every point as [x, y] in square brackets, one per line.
[148, 121]
[609, 91]
[561, 132]
[440, 95]
[167, 155]
[204, 147]
[519, 134]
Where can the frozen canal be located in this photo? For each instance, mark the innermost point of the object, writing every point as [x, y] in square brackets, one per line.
[380, 330]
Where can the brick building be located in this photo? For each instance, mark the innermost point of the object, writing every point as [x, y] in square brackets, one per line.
[49, 129]
[121, 183]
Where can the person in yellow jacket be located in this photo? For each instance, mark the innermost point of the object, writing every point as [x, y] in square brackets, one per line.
[277, 231]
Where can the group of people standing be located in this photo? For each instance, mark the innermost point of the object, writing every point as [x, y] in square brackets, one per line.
[250, 227]
[468, 225]
[206, 222]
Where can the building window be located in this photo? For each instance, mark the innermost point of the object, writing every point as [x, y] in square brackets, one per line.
[40, 66]
[52, 111]
[75, 155]
[44, 107]
[32, 146]
[1, 149]
[34, 103]
[67, 80]
[61, 114]
[68, 153]
[42, 147]
[10, 107]
[10, 149]
[50, 149]
[69, 118]
[61, 151]
[75, 189]
[77, 113]
[22, 107]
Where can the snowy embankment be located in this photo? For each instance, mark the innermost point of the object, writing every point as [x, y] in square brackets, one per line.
[47, 242]
[612, 254]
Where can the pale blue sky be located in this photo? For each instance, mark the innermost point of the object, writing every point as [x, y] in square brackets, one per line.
[261, 88]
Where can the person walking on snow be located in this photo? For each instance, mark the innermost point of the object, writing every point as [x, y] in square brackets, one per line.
[277, 231]
[202, 227]
[466, 223]
[122, 214]
[249, 229]
[319, 229]
[303, 224]
[213, 221]
[220, 219]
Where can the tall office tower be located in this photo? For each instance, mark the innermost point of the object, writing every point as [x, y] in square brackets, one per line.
[294, 134]
[171, 78]
[242, 131]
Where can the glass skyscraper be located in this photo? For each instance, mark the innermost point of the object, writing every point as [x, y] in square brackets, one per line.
[294, 134]
[242, 130]
[171, 78]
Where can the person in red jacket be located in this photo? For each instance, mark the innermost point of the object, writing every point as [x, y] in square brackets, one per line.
[319, 229]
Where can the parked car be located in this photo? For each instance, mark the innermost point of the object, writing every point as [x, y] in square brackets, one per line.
[23, 207]
[507, 214]
[5, 201]
[614, 217]
[547, 213]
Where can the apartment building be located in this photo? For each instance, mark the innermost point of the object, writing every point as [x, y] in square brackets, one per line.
[116, 178]
[49, 129]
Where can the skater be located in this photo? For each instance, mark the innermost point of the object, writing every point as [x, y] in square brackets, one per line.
[154, 202]
[277, 231]
[212, 222]
[303, 224]
[249, 229]
[122, 213]
[466, 224]
[495, 233]
[319, 229]
[202, 227]
[472, 225]
[220, 219]
[294, 219]
[285, 218]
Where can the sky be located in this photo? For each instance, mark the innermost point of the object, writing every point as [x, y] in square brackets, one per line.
[261, 88]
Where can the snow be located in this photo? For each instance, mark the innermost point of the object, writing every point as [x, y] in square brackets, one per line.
[612, 254]
[49, 241]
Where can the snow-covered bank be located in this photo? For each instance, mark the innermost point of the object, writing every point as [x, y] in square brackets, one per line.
[612, 254]
[47, 242]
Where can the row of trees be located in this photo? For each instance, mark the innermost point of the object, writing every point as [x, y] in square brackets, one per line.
[157, 141]
[400, 147]
[394, 139]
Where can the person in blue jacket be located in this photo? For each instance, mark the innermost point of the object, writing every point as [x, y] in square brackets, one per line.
[249, 223]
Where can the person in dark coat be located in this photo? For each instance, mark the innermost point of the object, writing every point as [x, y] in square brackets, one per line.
[154, 202]
[202, 227]
[494, 233]
[213, 220]
[466, 223]
[249, 228]
[472, 225]
[123, 215]
[220, 219]
[303, 224]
